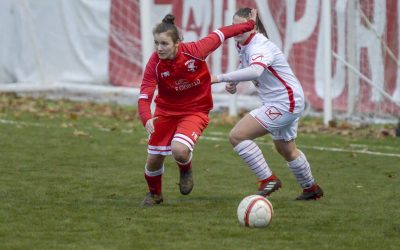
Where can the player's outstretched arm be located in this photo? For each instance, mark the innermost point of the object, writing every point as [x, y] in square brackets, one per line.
[214, 79]
[208, 44]
[231, 87]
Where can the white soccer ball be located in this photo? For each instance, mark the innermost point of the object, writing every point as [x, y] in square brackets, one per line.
[255, 211]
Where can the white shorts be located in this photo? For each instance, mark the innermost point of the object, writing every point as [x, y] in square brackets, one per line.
[281, 124]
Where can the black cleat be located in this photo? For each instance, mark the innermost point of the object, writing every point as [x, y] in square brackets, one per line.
[313, 193]
[269, 185]
[151, 200]
[185, 182]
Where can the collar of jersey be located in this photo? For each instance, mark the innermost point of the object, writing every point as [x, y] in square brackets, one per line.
[177, 54]
[249, 39]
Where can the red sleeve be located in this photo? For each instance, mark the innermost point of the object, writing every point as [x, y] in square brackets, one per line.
[147, 89]
[208, 44]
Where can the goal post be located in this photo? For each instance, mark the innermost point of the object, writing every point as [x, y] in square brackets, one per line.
[146, 28]
[327, 55]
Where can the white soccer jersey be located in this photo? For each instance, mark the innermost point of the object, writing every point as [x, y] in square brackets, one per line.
[275, 81]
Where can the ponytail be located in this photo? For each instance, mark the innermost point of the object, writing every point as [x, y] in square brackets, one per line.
[245, 13]
[260, 27]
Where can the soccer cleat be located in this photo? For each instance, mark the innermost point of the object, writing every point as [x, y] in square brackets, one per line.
[185, 181]
[152, 199]
[313, 193]
[269, 185]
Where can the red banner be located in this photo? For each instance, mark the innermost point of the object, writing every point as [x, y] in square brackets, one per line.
[295, 27]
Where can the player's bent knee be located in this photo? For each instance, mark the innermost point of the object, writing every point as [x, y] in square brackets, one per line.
[235, 138]
[181, 157]
[181, 154]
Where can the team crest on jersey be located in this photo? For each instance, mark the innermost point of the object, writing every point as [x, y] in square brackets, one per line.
[165, 74]
[191, 67]
[273, 113]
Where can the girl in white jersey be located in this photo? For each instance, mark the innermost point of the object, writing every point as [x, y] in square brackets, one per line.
[282, 97]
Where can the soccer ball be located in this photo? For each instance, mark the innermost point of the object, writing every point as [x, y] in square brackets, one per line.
[255, 211]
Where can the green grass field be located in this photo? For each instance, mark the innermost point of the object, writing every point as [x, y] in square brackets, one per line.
[71, 177]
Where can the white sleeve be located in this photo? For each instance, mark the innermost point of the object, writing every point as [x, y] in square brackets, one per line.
[252, 72]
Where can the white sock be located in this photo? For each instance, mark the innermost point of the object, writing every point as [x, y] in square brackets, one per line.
[252, 155]
[154, 173]
[302, 171]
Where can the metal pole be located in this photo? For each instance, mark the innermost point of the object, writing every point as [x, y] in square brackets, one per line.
[146, 30]
[326, 34]
[232, 59]
[351, 57]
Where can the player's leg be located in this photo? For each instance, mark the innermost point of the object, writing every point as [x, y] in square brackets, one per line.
[287, 149]
[159, 146]
[153, 174]
[187, 133]
[183, 157]
[284, 140]
[241, 137]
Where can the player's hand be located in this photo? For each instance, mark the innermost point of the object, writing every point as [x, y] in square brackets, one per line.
[150, 125]
[253, 15]
[214, 79]
[230, 87]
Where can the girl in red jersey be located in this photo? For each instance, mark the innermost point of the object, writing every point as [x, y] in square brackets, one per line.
[282, 99]
[180, 73]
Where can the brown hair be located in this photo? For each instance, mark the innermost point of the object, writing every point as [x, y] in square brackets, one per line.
[245, 13]
[168, 25]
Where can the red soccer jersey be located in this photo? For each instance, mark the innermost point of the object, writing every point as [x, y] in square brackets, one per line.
[184, 83]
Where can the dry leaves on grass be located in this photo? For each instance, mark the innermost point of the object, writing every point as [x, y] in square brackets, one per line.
[39, 107]
[44, 108]
[80, 133]
[347, 129]
[316, 126]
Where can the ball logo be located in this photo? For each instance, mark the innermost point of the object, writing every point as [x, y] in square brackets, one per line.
[255, 211]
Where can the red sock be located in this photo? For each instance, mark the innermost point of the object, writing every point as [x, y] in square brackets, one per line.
[272, 177]
[313, 188]
[154, 183]
[185, 167]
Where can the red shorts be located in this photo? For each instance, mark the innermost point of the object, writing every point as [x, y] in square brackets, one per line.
[185, 129]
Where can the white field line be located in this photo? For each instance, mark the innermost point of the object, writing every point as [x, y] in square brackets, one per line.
[365, 146]
[212, 138]
[319, 148]
[28, 124]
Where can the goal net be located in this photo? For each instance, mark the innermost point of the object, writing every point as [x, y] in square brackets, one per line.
[101, 46]
[125, 47]
[364, 63]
